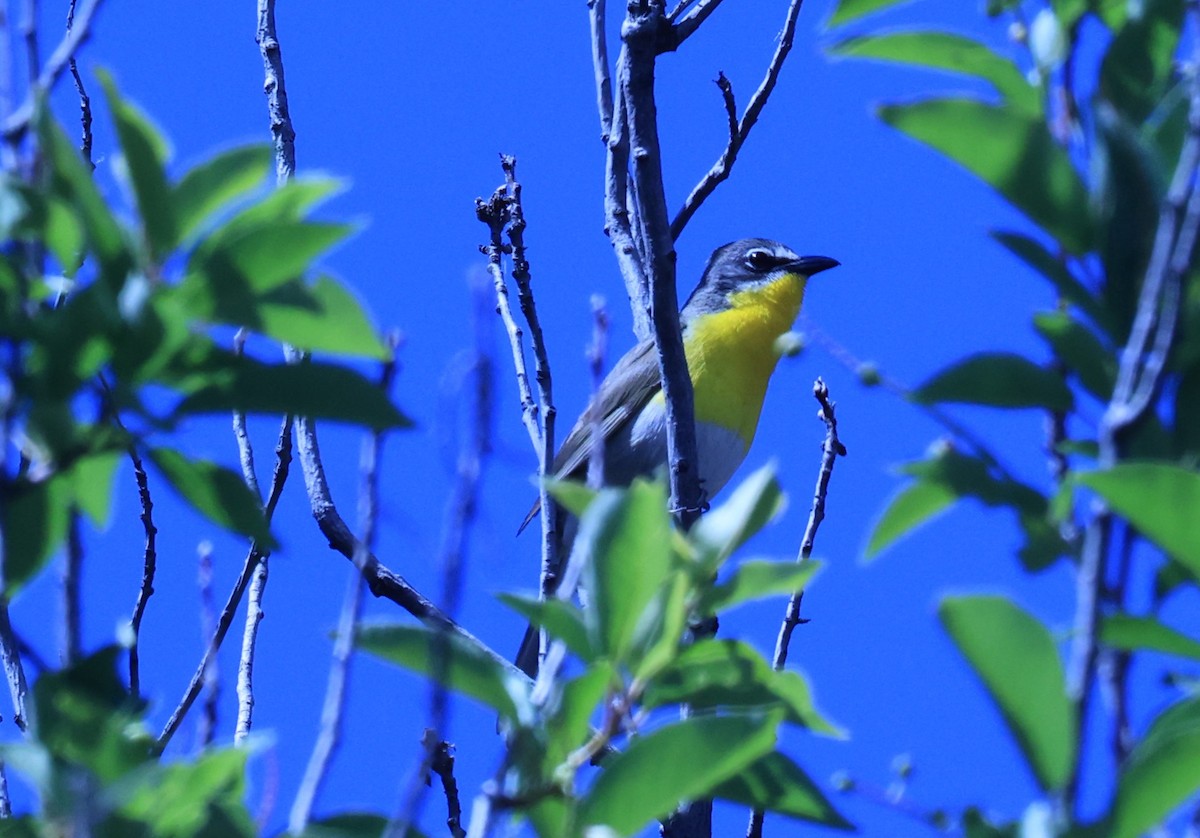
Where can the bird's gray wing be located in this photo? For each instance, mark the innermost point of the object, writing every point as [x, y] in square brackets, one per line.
[628, 387]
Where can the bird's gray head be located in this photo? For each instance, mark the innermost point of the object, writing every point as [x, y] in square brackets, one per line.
[747, 263]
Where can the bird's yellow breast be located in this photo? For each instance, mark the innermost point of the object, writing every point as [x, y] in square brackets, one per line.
[731, 354]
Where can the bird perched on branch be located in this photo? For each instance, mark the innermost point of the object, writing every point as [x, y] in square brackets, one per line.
[749, 295]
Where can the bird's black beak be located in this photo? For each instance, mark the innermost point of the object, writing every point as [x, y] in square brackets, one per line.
[810, 265]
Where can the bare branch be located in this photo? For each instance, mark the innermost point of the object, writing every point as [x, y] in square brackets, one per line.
[149, 563]
[85, 102]
[831, 449]
[461, 512]
[5, 802]
[737, 136]
[642, 31]
[618, 224]
[211, 680]
[333, 708]
[14, 672]
[72, 634]
[687, 25]
[245, 676]
[17, 124]
[604, 93]
[282, 133]
[256, 553]
[596, 354]
[443, 767]
[1139, 379]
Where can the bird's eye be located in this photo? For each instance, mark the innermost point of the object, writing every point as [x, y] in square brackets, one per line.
[760, 259]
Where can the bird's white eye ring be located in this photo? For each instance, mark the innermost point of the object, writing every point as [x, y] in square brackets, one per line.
[760, 260]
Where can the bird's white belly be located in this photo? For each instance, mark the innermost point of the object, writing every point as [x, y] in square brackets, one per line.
[721, 450]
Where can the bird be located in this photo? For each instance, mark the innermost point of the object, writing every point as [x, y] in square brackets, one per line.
[748, 296]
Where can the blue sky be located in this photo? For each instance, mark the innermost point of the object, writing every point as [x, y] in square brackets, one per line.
[410, 104]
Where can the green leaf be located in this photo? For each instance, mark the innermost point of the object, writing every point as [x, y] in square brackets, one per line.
[560, 619]
[950, 473]
[729, 673]
[323, 317]
[201, 798]
[848, 10]
[92, 479]
[71, 179]
[216, 493]
[638, 785]
[214, 183]
[64, 235]
[144, 152]
[317, 390]
[1138, 64]
[911, 506]
[997, 379]
[1161, 773]
[1015, 657]
[287, 203]
[946, 51]
[568, 724]
[627, 534]
[1123, 631]
[777, 784]
[465, 667]
[1150, 496]
[255, 263]
[1186, 427]
[571, 495]
[1032, 253]
[751, 506]
[1012, 152]
[84, 716]
[1080, 351]
[1128, 188]
[756, 580]
[34, 518]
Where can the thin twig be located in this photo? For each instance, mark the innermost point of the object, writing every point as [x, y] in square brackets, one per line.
[831, 449]
[381, 580]
[550, 560]
[29, 32]
[5, 802]
[85, 102]
[211, 681]
[464, 502]
[17, 124]
[737, 135]
[443, 766]
[278, 479]
[282, 133]
[333, 709]
[149, 563]
[258, 582]
[604, 91]
[72, 634]
[595, 355]
[687, 25]
[14, 672]
[245, 676]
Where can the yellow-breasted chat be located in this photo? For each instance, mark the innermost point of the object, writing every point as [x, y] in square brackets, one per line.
[749, 294]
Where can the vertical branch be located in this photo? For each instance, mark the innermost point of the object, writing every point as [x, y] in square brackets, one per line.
[604, 92]
[245, 676]
[207, 726]
[831, 449]
[149, 564]
[596, 354]
[283, 135]
[644, 32]
[1139, 379]
[461, 512]
[14, 672]
[85, 102]
[333, 708]
[72, 566]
